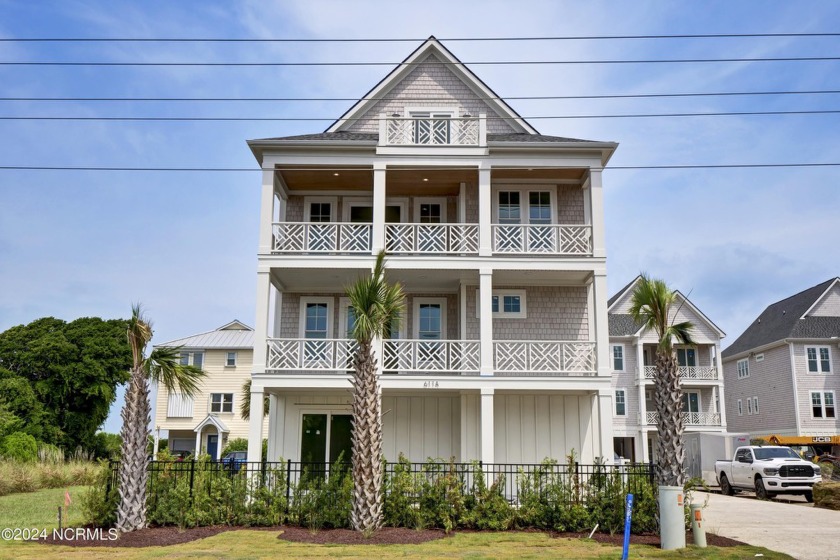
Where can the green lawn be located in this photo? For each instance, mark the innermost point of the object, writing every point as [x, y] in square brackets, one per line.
[38, 509]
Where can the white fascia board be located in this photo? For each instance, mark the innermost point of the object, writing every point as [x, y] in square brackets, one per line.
[701, 314]
[444, 383]
[628, 289]
[819, 299]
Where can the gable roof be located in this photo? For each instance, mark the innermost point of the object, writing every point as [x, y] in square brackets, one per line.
[432, 47]
[787, 319]
[235, 334]
[623, 323]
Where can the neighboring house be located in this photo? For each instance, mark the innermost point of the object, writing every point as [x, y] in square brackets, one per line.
[496, 233]
[700, 369]
[783, 373]
[209, 419]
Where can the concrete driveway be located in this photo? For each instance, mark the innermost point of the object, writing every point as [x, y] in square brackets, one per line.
[792, 526]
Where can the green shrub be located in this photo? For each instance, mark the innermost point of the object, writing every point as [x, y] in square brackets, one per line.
[400, 508]
[99, 502]
[235, 444]
[323, 501]
[441, 496]
[19, 446]
[486, 506]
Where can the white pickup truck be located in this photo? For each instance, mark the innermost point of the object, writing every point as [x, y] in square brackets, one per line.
[768, 470]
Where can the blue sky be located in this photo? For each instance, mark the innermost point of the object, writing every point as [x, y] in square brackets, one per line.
[79, 243]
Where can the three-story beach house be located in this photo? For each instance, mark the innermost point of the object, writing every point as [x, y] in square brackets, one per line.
[496, 233]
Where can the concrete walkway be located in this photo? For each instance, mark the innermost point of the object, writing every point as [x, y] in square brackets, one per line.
[791, 526]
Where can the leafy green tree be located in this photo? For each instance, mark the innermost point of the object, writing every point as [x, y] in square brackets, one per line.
[18, 398]
[106, 446]
[73, 369]
[19, 446]
[162, 366]
[652, 305]
[376, 306]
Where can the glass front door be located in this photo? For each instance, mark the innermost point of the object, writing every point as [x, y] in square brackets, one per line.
[324, 437]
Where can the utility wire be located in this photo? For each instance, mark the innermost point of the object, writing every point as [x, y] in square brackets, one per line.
[401, 40]
[436, 99]
[333, 119]
[455, 168]
[412, 64]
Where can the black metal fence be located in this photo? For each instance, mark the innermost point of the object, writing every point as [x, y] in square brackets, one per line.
[578, 481]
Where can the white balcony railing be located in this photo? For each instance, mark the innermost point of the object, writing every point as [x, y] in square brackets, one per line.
[431, 356]
[333, 237]
[431, 238]
[689, 418]
[310, 354]
[687, 372]
[544, 358]
[550, 239]
[431, 131]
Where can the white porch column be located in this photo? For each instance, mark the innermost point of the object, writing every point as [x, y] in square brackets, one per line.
[721, 397]
[261, 326]
[255, 424]
[485, 306]
[485, 213]
[198, 443]
[601, 336]
[596, 208]
[267, 198]
[488, 452]
[276, 425]
[465, 432]
[645, 452]
[605, 422]
[378, 237]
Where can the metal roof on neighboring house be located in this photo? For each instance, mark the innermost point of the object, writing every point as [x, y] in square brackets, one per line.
[231, 335]
[784, 319]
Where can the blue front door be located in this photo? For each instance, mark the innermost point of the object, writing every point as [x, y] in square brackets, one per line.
[212, 446]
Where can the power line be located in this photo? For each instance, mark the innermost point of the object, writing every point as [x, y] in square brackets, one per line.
[401, 40]
[411, 64]
[332, 119]
[448, 168]
[429, 99]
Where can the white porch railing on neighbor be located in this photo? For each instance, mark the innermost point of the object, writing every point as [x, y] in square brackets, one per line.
[551, 239]
[690, 418]
[334, 237]
[687, 372]
[431, 238]
[425, 131]
[539, 358]
[431, 356]
[308, 354]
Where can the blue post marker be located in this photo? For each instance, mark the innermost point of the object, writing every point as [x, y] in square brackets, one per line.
[628, 516]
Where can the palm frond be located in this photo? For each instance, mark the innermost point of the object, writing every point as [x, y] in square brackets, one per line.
[245, 402]
[377, 305]
[164, 367]
[651, 304]
[139, 334]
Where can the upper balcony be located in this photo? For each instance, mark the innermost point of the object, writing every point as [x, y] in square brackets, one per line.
[432, 129]
[689, 373]
[437, 239]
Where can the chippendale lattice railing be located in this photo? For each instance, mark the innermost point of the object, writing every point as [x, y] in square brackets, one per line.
[431, 238]
[687, 372]
[304, 237]
[544, 358]
[431, 356]
[420, 131]
[330, 354]
[552, 239]
[689, 418]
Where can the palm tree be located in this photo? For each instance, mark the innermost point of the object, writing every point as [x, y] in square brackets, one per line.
[245, 402]
[163, 367]
[376, 306]
[651, 305]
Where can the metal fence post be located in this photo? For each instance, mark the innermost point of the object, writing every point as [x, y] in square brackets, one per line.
[288, 483]
[192, 476]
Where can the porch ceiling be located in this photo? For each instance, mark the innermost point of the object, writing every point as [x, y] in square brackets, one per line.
[540, 277]
[577, 174]
[319, 178]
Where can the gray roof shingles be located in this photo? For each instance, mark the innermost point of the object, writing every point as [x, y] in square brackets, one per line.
[623, 325]
[781, 320]
[363, 137]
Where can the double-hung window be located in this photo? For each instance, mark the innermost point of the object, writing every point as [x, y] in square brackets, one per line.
[618, 357]
[822, 404]
[620, 403]
[743, 368]
[221, 403]
[519, 215]
[230, 359]
[505, 304]
[819, 359]
[192, 359]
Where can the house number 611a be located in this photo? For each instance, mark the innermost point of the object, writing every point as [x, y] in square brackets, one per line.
[431, 385]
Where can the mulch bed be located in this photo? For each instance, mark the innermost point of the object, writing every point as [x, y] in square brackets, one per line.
[167, 536]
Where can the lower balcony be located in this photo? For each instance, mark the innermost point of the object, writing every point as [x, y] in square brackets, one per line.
[436, 357]
[689, 418]
[688, 372]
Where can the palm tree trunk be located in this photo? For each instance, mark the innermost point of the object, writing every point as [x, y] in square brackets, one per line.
[366, 515]
[131, 513]
[670, 452]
